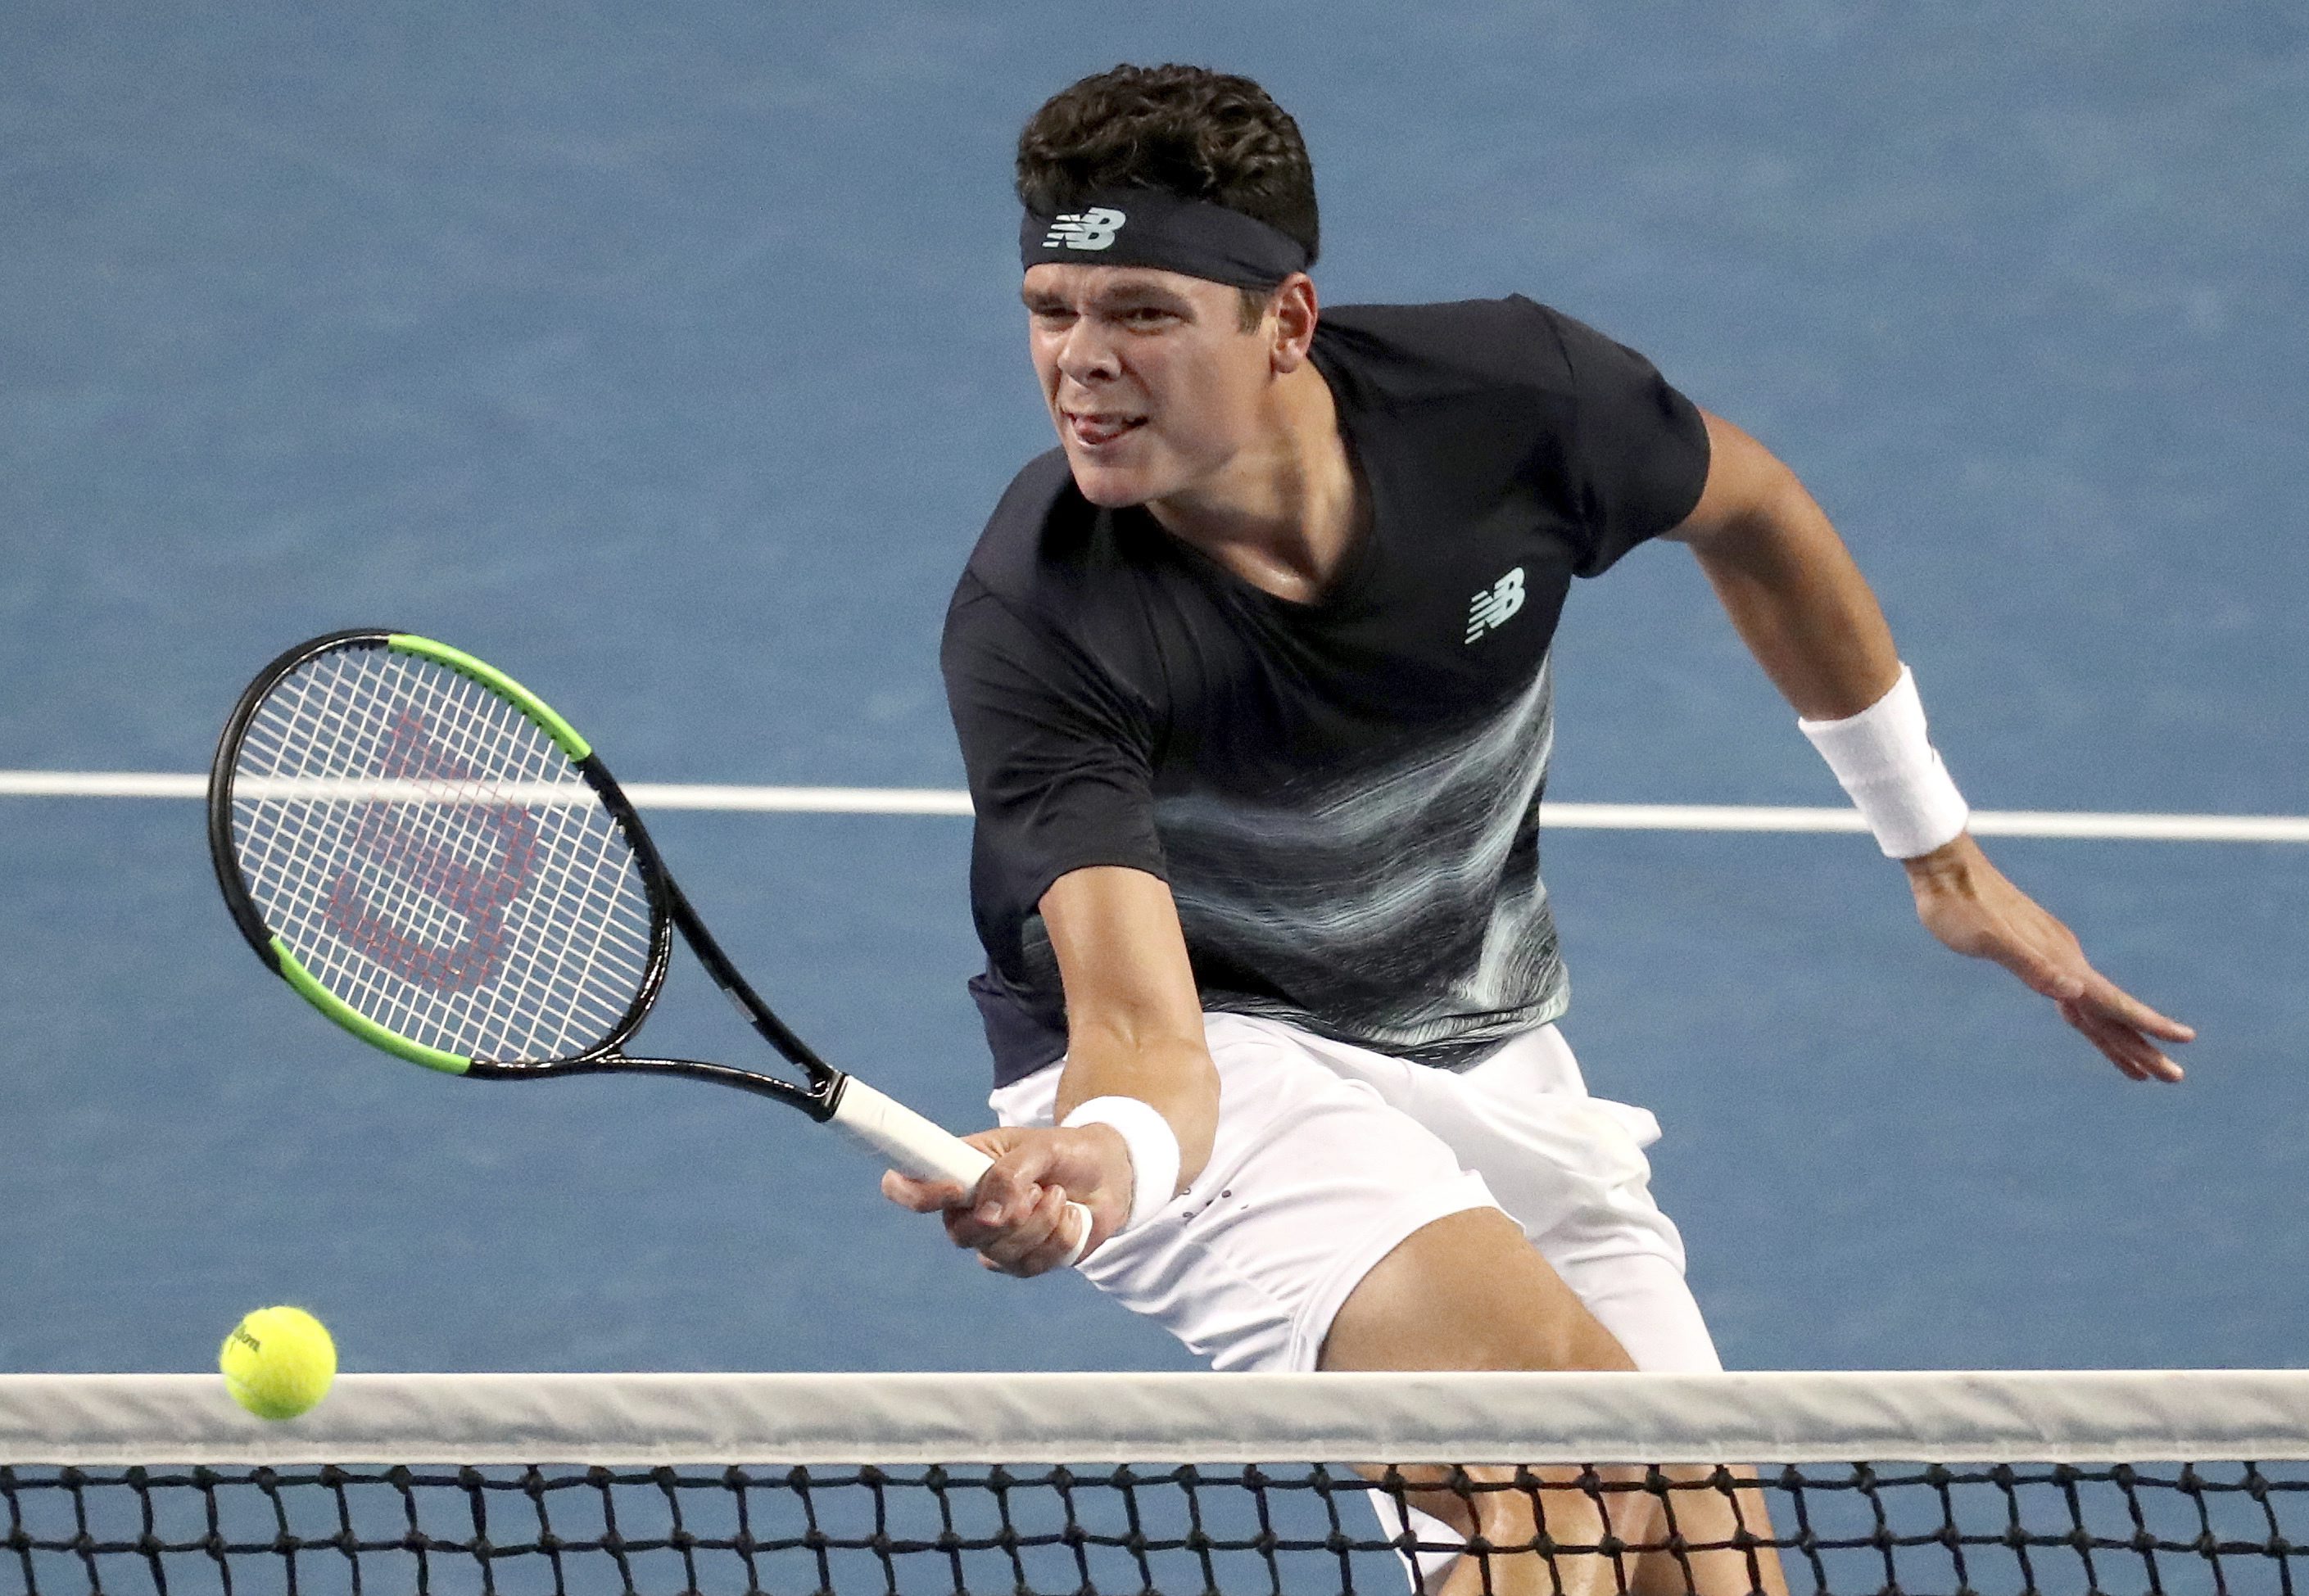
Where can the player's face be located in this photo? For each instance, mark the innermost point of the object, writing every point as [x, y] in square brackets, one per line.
[1152, 383]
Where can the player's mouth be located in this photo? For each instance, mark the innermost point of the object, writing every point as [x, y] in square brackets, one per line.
[1095, 429]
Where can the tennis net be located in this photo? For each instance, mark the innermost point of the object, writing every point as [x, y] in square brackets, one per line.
[2087, 1483]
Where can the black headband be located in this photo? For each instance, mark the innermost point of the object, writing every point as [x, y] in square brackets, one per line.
[1150, 226]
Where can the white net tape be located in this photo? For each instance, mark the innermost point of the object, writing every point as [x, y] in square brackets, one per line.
[648, 1418]
[2128, 1484]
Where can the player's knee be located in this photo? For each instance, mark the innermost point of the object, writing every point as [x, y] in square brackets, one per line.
[1593, 1527]
[1469, 1500]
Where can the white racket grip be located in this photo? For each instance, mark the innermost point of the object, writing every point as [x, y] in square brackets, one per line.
[926, 1149]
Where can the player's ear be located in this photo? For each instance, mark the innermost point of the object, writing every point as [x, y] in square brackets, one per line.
[1290, 323]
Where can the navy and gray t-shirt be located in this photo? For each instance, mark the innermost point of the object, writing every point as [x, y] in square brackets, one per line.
[1344, 795]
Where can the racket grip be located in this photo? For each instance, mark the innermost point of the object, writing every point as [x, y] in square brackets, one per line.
[926, 1149]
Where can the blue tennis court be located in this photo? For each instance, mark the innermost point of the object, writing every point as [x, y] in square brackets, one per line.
[672, 361]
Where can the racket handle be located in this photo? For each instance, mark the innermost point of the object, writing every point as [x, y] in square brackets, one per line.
[926, 1149]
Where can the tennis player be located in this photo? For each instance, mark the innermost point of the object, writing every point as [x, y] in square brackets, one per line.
[1251, 676]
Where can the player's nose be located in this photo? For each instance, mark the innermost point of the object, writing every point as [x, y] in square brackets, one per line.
[1087, 354]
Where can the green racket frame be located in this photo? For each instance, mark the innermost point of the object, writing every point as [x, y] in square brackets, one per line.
[819, 1097]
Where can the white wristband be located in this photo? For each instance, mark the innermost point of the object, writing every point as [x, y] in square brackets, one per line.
[1885, 760]
[1153, 1149]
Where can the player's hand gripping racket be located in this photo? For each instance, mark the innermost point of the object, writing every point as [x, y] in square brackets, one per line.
[441, 865]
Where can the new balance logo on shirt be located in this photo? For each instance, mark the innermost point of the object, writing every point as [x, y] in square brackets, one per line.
[1494, 607]
[1084, 229]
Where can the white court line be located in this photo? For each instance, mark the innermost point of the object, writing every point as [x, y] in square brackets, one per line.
[1624, 817]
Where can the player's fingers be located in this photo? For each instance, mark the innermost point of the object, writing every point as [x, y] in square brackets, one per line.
[2151, 1061]
[1004, 1198]
[1036, 1241]
[964, 1229]
[2128, 1064]
[2137, 1057]
[1011, 1188]
[2121, 1025]
[922, 1197]
[1079, 1229]
[1011, 1235]
[1071, 1229]
[2118, 1004]
[1053, 1226]
[966, 1232]
[2134, 1054]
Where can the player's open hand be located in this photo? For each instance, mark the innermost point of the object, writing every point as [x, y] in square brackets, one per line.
[1967, 903]
[1017, 1220]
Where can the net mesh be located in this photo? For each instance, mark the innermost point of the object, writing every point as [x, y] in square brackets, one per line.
[2216, 1524]
[436, 860]
[1306, 1529]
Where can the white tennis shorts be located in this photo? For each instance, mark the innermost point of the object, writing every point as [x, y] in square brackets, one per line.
[1327, 1156]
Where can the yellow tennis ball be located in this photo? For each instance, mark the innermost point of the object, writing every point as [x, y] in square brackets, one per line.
[278, 1362]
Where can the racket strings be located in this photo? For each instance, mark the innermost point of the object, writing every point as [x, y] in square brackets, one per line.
[436, 861]
[452, 869]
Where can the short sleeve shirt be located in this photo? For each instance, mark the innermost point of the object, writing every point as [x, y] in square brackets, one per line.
[1343, 796]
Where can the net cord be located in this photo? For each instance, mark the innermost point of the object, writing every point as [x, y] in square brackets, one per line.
[2052, 1416]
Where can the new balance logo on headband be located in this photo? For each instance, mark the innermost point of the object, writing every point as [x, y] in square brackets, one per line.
[1084, 229]
[1492, 607]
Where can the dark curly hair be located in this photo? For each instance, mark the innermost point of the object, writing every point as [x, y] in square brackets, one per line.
[1188, 130]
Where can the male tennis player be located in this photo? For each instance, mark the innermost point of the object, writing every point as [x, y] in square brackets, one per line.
[1251, 677]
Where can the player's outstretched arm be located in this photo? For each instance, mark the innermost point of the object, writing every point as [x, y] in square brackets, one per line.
[1802, 605]
[1134, 1031]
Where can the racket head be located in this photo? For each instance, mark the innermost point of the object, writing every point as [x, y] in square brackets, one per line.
[435, 859]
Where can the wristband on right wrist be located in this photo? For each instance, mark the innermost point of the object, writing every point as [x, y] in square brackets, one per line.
[1153, 1150]
[1883, 757]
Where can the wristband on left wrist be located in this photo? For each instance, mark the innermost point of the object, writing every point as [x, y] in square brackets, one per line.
[1883, 758]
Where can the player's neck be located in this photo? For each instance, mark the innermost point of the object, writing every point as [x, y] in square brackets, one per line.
[1287, 510]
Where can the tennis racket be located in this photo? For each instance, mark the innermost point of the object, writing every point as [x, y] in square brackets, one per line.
[440, 863]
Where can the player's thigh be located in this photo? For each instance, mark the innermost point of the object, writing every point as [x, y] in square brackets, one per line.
[1469, 1291]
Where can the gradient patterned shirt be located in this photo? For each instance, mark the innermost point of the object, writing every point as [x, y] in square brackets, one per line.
[1343, 794]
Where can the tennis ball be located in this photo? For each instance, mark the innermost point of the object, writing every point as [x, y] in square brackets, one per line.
[278, 1362]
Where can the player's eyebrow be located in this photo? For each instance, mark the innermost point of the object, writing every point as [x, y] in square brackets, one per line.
[1132, 295]
[1127, 295]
